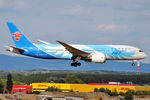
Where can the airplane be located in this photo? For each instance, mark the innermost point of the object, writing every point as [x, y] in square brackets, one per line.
[74, 52]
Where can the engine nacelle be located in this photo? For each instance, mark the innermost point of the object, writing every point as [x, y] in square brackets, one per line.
[96, 58]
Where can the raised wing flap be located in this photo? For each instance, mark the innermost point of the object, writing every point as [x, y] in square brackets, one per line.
[74, 51]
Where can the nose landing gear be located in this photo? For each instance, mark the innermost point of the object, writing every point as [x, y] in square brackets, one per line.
[133, 64]
[138, 64]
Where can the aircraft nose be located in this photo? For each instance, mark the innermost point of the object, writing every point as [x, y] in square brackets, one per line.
[144, 55]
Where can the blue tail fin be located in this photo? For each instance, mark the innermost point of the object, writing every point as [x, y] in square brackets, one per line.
[19, 39]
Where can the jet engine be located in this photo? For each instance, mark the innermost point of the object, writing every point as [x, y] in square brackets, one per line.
[96, 58]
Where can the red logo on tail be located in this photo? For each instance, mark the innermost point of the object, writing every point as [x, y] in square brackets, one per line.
[17, 35]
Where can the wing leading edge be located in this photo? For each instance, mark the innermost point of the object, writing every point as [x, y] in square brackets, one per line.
[74, 51]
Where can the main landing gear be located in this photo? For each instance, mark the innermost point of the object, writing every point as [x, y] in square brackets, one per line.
[75, 61]
[138, 64]
[75, 64]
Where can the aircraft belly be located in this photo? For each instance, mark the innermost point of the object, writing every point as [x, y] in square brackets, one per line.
[62, 56]
[118, 57]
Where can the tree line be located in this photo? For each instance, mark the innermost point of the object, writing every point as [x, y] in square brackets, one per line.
[140, 79]
[6, 84]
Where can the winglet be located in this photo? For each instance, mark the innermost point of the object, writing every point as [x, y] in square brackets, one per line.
[59, 41]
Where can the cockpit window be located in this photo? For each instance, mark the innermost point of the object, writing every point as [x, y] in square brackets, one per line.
[140, 51]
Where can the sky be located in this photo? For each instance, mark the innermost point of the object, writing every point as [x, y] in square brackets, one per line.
[124, 22]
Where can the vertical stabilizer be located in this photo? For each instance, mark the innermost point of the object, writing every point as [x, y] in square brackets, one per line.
[18, 37]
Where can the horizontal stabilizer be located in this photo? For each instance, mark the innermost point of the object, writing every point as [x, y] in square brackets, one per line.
[15, 50]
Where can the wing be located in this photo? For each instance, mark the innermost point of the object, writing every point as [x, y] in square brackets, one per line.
[74, 51]
[44, 42]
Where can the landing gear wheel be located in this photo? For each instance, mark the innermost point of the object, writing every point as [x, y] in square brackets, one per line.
[133, 64]
[72, 64]
[79, 64]
[75, 64]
